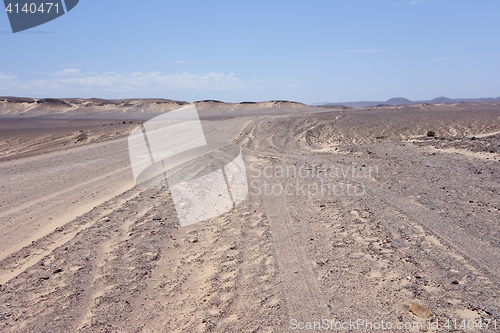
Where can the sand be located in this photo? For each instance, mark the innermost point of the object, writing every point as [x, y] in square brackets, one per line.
[83, 249]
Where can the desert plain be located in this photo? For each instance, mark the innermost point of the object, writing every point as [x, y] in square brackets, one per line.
[352, 214]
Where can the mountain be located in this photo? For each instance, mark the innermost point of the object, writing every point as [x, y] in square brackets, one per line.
[398, 101]
[365, 104]
[441, 100]
[147, 108]
[404, 101]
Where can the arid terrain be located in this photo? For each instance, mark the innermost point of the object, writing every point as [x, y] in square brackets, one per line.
[351, 215]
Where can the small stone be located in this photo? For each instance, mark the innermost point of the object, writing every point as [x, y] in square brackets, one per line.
[419, 310]
[321, 262]
[395, 243]
[455, 282]
[156, 218]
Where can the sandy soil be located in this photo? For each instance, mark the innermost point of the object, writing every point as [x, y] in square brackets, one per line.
[377, 216]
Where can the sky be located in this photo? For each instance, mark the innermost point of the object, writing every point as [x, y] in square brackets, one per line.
[310, 51]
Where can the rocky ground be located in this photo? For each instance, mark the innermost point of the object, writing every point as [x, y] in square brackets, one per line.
[351, 215]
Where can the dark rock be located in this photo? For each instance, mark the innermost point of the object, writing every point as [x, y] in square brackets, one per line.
[53, 101]
[209, 101]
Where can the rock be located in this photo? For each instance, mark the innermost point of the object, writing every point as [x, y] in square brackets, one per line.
[419, 310]
[455, 282]
[396, 243]
[156, 218]
[321, 262]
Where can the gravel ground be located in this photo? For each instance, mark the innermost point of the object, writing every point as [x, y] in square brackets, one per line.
[351, 215]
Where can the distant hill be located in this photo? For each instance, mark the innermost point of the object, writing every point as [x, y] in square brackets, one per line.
[405, 101]
[399, 101]
[147, 108]
[441, 100]
[96, 108]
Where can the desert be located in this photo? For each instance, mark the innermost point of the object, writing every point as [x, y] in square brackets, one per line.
[84, 249]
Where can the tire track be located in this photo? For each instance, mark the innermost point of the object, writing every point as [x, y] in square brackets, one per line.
[304, 299]
[480, 252]
[60, 240]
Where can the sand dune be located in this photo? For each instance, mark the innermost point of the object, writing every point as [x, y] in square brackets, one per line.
[75, 108]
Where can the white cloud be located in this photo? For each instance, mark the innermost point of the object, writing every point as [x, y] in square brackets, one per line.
[8, 81]
[445, 58]
[67, 73]
[74, 65]
[179, 62]
[72, 82]
[411, 3]
[364, 51]
[360, 51]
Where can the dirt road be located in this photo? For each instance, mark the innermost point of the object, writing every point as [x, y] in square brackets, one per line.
[351, 215]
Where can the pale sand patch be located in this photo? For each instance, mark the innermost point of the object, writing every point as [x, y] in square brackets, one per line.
[467, 314]
[476, 155]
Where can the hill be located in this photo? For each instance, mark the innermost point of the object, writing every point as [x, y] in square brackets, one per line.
[96, 108]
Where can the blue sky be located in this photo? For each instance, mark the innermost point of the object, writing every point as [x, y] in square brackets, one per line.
[303, 50]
